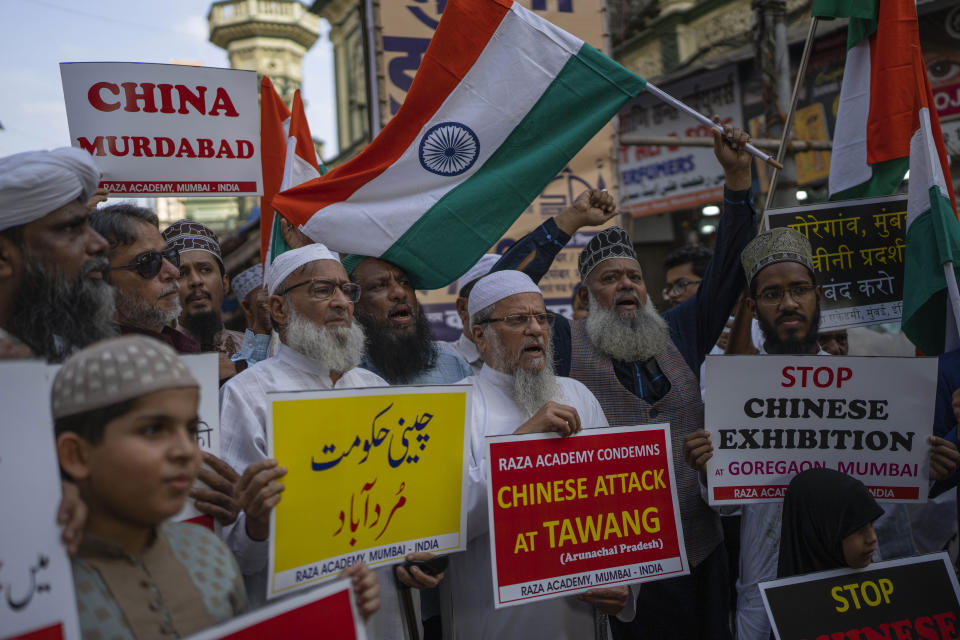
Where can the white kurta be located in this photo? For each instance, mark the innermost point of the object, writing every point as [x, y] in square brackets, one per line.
[243, 438]
[468, 586]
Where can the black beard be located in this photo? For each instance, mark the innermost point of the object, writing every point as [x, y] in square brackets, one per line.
[48, 306]
[399, 358]
[807, 344]
[204, 326]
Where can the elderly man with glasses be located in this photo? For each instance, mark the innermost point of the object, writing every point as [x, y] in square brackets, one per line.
[311, 305]
[144, 273]
[516, 391]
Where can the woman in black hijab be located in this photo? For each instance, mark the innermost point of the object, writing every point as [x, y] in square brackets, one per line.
[827, 523]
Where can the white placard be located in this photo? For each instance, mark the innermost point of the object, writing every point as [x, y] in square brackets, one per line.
[36, 583]
[166, 129]
[771, 417]
[205, 368]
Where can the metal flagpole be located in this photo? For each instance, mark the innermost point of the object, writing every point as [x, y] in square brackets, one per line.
[954, 296]
[702, 119]
[788, 122]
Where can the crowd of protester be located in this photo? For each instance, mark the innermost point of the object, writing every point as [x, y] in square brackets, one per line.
[100, 288]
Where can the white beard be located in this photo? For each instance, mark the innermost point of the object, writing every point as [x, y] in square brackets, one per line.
[635, 336]
[531, 389]
[338, 348]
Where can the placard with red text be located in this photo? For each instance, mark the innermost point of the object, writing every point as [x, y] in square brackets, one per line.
[598, 509]
[166, 129]
[328, 611]
[771, 417]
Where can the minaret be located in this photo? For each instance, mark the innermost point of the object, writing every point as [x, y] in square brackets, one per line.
[267, 36]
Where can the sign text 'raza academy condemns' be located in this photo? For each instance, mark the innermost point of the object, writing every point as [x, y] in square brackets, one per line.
[866, 417]
[595, 509]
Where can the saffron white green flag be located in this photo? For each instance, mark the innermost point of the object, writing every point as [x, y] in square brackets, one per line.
[886, 123]
[501, 102]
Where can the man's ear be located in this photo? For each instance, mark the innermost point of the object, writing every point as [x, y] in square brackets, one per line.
[74, 455]
[278, 309]
[751, 306]
[226, 284]
[583, 297]
[10, 257]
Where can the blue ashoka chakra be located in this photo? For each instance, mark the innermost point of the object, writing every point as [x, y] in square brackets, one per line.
[449, 149]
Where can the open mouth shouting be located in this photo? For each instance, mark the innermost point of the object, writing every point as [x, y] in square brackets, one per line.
[400, 316]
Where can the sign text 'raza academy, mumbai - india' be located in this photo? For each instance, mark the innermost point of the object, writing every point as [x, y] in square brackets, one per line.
[912, 597]
[571, 514]
[854, 415]
[384, 477]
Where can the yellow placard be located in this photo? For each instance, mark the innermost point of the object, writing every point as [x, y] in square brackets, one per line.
[372, 474]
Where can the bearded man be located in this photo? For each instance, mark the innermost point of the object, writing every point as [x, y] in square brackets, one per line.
[400, 347]
[641, 367]
[143, 271]
[517, 391]
[53, 296]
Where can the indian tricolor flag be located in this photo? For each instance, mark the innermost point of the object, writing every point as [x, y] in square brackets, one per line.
[288, 158]
[886, 123]
[501, 102]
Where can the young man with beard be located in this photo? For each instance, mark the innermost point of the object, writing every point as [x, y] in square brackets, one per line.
[143, 271]
[785, 300]
[311, 303]
[641, 367]
[517, 391]
[203, 284]
[53, 297]
[399, 345]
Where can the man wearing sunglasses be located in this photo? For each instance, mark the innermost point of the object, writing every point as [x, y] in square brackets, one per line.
[53, 298]
[143, 271]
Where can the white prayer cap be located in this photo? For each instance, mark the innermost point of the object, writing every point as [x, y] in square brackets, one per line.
[482, 268]
[497, 286]
[35, 183]
[289, 261]
[246, 281]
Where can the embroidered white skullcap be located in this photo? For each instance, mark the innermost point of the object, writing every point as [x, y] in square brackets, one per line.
[35, 183]
[246, 281]
[497, 286]
[116, 370]
[289, 261]
[482, 268]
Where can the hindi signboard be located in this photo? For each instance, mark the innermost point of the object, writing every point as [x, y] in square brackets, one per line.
[36, 583]
[907, 598]
[327, 611]
[372, 474]
[857, 255]
[166, 129]
[597, 509]
[771, 417]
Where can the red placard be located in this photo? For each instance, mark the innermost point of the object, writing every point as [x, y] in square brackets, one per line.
[571, 514]
[325, 612]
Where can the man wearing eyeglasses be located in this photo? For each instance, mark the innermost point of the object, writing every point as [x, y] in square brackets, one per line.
[516, 391]
[685, 268]
[144, 273]
[311, 304]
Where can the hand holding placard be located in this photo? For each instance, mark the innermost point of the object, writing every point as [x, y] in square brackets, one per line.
[552, 416]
